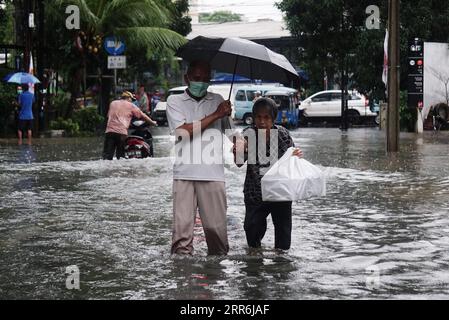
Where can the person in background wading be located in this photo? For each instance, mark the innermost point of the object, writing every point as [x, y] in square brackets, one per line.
[25, 100]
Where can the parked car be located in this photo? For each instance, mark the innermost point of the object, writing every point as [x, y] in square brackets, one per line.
[289, 113]
[243, 102]
[327, 104]
[160, 111]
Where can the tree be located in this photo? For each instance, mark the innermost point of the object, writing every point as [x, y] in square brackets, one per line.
[332, 30]
[219, 17]
[328, 31]
[181, 22]
[6, 22]
[7, 91]
[161, 61]
[142, 24]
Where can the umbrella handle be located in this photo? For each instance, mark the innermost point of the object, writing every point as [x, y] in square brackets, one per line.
[231, 123]
[233, 76]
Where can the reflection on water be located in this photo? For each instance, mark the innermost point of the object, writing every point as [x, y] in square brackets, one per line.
[382, 231]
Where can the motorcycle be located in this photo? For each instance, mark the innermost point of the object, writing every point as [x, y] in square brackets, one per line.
[440, 115]
[139, 143]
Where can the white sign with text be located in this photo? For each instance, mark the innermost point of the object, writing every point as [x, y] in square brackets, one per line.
[116, 62]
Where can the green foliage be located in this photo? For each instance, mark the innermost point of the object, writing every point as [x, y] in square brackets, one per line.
[71, 128]
[333, 33]
[407, 116]
[7, 97]
[219, 17]
[85, 122]
[142, 24]
[61, 102]
[181, 22]
[6, 22]
[89, 120]
[329, 32]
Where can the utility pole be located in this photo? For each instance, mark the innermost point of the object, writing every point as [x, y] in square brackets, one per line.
[28, 33]
[41, 63]
[344, 76]
[393, 77]
[344, 125]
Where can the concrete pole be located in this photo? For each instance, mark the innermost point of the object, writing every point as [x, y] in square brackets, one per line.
[393, 77]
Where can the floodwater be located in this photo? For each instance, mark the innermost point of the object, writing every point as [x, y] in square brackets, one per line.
[382, 231]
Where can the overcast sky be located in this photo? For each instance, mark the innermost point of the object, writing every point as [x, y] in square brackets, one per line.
[252, 9]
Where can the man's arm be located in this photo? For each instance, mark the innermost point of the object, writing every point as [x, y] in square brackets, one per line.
[223, 110]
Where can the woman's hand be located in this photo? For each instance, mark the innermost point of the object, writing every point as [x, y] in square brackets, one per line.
[298, 153]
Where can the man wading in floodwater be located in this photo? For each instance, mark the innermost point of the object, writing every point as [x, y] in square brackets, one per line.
[191, 116]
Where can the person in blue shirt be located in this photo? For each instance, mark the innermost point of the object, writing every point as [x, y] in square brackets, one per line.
[26, 100]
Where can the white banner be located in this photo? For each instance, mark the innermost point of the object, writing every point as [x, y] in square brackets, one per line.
[385, 71]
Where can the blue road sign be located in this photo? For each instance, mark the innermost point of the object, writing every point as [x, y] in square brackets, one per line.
[114, 46]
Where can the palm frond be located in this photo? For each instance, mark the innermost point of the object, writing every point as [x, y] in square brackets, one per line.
[152, 37]
[138, 13]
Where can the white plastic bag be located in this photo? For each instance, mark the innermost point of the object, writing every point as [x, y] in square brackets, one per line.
[292, 178]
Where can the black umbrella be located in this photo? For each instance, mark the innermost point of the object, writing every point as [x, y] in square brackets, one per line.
[240, 56]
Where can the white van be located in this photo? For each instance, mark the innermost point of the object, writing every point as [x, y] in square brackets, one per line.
[244, 96]
[160, 111]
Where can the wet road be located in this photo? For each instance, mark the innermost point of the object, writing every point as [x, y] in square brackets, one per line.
[382, 231]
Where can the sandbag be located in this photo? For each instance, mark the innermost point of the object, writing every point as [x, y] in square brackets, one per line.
[291, 179]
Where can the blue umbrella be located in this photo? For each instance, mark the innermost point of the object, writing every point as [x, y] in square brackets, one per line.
[303, 74]
[21, 77]
[228, 77]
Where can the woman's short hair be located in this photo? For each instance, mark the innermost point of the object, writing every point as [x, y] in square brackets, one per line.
[265, 104]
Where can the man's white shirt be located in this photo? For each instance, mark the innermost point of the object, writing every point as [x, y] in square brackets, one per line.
[199, 158]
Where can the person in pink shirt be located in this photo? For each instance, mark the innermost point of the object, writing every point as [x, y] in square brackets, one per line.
[120, 114]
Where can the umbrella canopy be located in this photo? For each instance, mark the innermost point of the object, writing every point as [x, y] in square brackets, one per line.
[240, 56]
[21, 77]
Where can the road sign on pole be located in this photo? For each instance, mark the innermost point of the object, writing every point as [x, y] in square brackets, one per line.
[114, 46]
[416, 74]
[116, 62]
